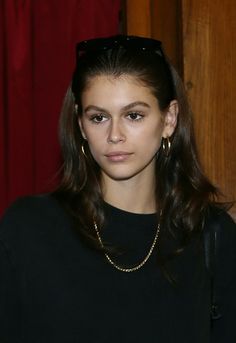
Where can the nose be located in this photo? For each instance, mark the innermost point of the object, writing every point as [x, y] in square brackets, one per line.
[115, 134]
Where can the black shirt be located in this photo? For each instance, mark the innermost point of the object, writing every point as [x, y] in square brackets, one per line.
[53, 288]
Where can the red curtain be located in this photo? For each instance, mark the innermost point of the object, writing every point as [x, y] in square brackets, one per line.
[37, 57]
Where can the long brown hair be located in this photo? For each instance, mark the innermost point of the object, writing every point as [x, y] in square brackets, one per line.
[183, 192]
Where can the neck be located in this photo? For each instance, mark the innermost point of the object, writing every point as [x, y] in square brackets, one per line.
[131, 195]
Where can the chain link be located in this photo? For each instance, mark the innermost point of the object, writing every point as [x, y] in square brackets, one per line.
[138, 266]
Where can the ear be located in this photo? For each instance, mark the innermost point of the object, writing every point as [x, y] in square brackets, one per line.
[81, 128]
[171, 118]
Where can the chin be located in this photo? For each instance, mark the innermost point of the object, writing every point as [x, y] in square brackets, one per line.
[125, 172]
[122, 175]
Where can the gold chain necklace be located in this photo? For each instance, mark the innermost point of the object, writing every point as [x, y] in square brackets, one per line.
[138, 266]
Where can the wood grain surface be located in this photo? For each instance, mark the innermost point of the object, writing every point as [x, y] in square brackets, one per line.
[209, 64]
[199, 36]
[138, 14]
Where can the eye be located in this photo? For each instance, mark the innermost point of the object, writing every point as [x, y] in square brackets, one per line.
[135, 116]
[98, 118]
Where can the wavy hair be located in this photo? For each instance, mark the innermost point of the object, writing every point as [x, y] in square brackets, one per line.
[183, 192]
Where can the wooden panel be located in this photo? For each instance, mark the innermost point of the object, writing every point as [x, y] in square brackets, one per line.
[198, 36]
[166, 25]
[209, 36]
[138, 14]
[157, 19]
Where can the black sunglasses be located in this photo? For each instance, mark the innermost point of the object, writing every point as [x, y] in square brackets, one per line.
[127, 42]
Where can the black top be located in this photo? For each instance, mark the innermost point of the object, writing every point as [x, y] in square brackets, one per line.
[53, 288]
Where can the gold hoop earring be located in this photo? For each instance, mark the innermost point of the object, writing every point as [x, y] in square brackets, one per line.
[166, 146]
[82, 149]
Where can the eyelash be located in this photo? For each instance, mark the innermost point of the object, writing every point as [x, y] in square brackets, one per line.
[139, 114]
[94, 118]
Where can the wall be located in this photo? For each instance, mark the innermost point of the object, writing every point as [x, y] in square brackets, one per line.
[199, 37]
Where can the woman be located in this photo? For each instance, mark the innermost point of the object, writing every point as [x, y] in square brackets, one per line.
[119, 253]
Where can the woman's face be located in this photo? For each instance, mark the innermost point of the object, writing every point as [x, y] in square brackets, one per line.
[123, 125]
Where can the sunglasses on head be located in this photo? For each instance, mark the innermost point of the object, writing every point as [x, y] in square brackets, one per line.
[120, 41]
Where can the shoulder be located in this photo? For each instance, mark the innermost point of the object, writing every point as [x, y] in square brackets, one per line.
[31, 214]
[32, 207]
[219, 221]
[220, 230]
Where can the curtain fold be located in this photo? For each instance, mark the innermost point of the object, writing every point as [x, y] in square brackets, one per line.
[37, 57]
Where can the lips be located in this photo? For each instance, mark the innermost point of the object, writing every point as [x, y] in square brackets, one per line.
[118, 156]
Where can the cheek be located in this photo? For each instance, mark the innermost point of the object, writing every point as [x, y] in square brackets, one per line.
[95, 143]
[153, 135]
[93, 136]
[153, 140]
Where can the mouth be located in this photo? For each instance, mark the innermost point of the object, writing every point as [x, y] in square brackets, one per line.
[118, 156]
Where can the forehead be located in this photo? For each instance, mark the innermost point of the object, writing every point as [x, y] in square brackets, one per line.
[125, 88]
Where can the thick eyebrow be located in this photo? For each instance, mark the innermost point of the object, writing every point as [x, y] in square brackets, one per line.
[95, 108]
[125, 108]
[134, 104]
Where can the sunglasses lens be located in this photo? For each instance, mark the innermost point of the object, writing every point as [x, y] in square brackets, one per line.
[127, 42]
